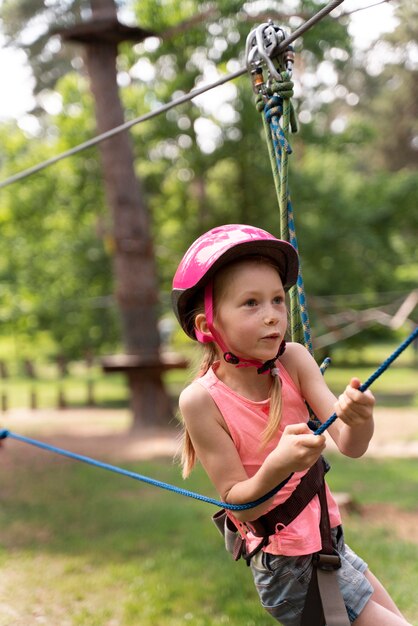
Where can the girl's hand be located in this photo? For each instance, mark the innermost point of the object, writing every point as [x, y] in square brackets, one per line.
[355, 407]
[298, 449]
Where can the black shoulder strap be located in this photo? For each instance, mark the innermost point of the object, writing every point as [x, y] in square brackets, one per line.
[286, 512]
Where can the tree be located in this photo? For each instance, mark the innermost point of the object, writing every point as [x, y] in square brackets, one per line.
[134, 266]
[55, 272]
[206, 162]
[209, 163]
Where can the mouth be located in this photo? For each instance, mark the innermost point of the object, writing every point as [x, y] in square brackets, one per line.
[272, 336]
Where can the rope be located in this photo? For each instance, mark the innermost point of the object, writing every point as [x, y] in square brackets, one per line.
[145, 479]
[383, 367]
[170, 105]
[118, 129]
[191, 494]
[278, 107]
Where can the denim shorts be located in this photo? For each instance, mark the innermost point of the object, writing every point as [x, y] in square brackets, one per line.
[282, 582]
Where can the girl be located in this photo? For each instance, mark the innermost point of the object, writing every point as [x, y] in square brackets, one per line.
[246, 419]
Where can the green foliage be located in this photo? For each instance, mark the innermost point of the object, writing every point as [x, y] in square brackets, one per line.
[206, 162]
[387, 85]
[55, 271]
[31, 25]
[375, 229]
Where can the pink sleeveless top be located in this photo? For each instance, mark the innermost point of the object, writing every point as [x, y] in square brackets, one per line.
[246, 420]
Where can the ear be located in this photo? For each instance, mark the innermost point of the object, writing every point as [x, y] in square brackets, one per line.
[202, 331]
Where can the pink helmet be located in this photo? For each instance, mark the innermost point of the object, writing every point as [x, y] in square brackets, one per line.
[216, 248]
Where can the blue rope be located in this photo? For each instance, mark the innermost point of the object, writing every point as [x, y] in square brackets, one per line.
[191, 494]
[383, 367]
[145, 479]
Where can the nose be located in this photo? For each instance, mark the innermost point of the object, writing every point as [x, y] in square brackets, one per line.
[270, 321]
[271, 317]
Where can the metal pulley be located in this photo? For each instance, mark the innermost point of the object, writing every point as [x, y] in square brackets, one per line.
[263, 50]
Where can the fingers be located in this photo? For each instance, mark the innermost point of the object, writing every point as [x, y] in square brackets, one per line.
[305, 435]
[297, 429]
[304, 447]
[355, 406]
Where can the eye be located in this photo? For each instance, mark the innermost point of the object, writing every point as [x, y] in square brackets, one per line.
[250, 302]
[278, 300]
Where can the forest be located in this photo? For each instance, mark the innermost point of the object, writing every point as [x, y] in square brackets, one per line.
[353, 169]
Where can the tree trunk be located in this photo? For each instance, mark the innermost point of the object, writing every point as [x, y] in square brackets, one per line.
[134, 261]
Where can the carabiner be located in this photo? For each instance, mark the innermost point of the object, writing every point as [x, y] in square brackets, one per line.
[262, 46]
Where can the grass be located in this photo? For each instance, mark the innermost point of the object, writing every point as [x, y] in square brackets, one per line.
[108, 390]
[371, 481]
[83, 547]
[113, 552]
[386, 481]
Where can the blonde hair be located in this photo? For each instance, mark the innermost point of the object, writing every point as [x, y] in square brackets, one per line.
[188, 453]
[210, 355]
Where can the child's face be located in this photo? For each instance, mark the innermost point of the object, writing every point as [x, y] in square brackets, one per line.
[250, 309]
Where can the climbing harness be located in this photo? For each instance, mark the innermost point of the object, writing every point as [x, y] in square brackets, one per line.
[281, 516]
[323, 597]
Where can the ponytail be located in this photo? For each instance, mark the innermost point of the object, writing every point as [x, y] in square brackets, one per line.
[275, 414]
[188, 453]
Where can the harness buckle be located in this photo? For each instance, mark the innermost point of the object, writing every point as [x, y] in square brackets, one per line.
[327, 562]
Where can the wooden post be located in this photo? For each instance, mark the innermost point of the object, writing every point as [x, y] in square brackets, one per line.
[90, 382]
[3, 375]
[62, 371]
[133, 262]
[33, 399]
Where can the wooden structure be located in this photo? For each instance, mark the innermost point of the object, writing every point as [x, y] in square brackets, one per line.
[136, 367]
[133, 259]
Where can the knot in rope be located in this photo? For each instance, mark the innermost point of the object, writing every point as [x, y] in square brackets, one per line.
[272, 111]
[273, 108]
[259, 103]
[277, 92]
[284, 88]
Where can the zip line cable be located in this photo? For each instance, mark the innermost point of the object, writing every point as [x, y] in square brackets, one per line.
[191, 494]
[369, 6]
[166, 107]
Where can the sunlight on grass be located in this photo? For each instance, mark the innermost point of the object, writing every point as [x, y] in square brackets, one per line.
[83, 547]
[112, 551]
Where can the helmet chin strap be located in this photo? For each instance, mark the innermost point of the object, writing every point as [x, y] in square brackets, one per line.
[229, 357]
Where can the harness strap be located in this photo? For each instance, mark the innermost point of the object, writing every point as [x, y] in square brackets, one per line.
[283, 514]
[324, 604]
